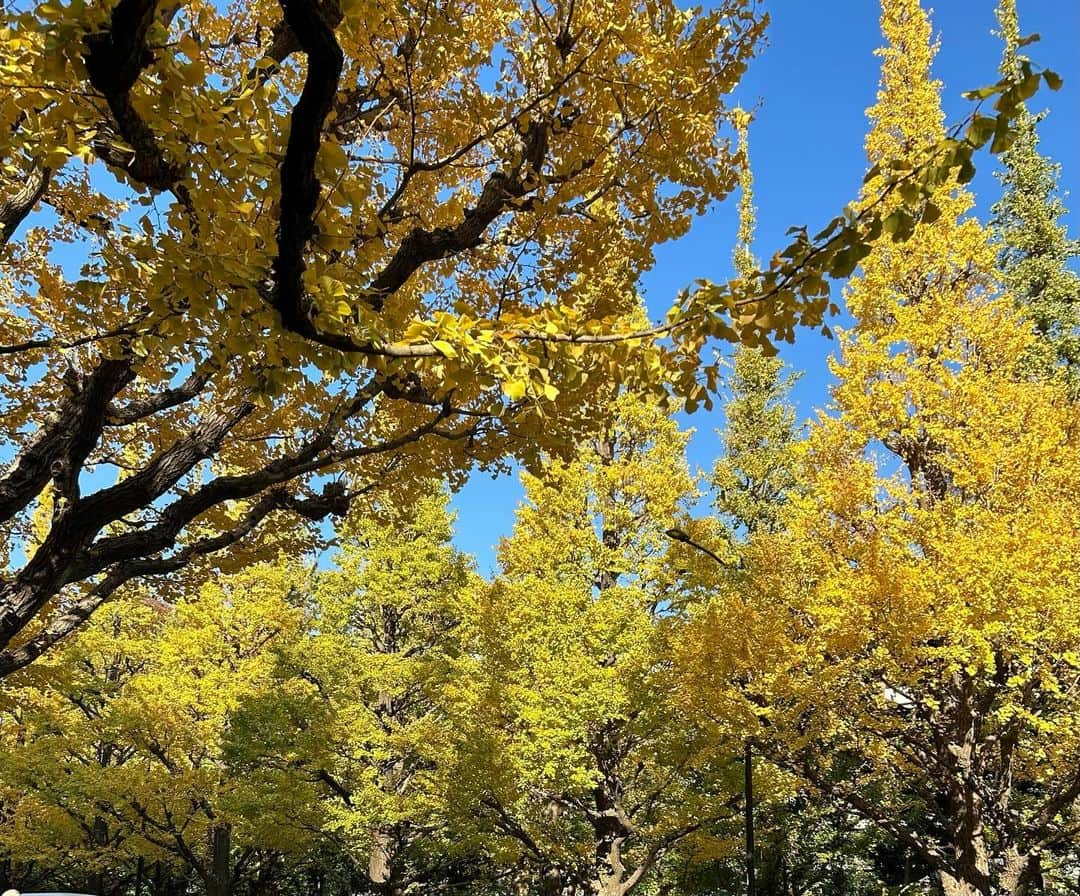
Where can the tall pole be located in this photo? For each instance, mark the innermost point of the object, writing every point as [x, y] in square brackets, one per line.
[748, 815]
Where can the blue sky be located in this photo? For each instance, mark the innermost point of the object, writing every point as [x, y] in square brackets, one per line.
[811, 88]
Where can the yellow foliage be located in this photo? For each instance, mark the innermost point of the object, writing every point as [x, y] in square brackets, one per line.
[567, 737]
[908, 635]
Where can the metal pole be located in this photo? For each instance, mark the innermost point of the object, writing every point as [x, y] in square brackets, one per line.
[748, 812]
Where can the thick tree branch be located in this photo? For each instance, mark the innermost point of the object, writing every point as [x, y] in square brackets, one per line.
[333, 500]
[114, 60]
[65, 439]
[69, 553]
[141, 408]
[299, 184]
[316, 457]
[300, 194]
[77, 523]
[339, 789]
[500, 191]
[15, 207]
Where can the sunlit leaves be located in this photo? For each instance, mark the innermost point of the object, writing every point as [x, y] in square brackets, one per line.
[906, 619]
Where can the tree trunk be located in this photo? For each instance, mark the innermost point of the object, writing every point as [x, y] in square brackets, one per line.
[220, 882]
[1022, 873]
[95, 881]
[380, 863]
[954, 886]
[611, 835]
[961, 759]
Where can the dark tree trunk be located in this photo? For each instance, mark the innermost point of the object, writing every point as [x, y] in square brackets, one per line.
[220, 881]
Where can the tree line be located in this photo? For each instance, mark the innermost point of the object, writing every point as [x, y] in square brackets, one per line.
[843, 661]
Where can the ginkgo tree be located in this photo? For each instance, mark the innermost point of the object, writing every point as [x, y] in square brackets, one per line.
[59, 755]
[113, 749]
[1035, 251]
[281, 254]
[913, 625]
[354, 723]
[793, 841]
[572, 762]
[259, 260]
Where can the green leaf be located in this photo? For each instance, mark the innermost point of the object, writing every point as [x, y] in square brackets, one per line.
[1003, 137]
[981, 129]
[1029, 86]
[899, 225]
[910, 192]
[982, 93]
[844, 263]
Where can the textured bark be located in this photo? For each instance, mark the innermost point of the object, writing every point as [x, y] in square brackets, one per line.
[15, 207]
[64, 441]
[961, 760]
[299, 185]
[1022, 873]
[312, 29]
[952, 886]
[114, 59]
[382, 870]
[62, 556]
[612, 833]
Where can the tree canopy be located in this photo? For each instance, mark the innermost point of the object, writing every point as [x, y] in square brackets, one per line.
[261, 259]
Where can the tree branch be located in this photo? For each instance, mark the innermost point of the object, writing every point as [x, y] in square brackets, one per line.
[65, 439]
[114, 59]
[15, 208]
[299, 184]
[141, 408]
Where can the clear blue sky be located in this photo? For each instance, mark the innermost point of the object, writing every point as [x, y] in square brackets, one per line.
[812, 86]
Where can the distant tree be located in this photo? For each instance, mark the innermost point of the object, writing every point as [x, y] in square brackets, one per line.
[575, 761]
[756, 469]
[116, 743]
[59, 753]
[797, 840]
[354, 722]
[1036, 251]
